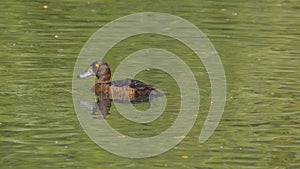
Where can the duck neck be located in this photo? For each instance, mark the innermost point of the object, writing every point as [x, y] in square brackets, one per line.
[104, 79]
[104, 75]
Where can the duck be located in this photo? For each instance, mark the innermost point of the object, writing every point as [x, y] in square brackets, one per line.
[119, 90]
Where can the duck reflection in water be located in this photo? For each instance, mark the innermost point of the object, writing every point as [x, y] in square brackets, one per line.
[121, 91]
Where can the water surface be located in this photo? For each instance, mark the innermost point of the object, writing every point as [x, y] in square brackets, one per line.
[258, 43]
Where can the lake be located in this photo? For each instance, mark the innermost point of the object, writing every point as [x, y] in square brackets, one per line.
[258, 44]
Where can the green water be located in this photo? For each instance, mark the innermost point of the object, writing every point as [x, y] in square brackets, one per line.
[258, 43]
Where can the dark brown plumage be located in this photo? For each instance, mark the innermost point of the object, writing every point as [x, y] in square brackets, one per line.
[120, 90]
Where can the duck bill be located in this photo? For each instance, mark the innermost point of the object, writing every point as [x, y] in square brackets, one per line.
[87, 73]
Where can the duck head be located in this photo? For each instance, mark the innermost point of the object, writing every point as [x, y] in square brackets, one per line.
[99, 69]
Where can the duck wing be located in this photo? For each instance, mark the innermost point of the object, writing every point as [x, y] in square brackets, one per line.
[136, 84]
[141, 90]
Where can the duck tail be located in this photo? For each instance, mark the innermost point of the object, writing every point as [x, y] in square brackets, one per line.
[155, 93]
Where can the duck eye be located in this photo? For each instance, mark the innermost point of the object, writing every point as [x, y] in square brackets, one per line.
[97, 65]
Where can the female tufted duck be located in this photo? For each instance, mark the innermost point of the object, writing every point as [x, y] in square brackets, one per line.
[128, 89]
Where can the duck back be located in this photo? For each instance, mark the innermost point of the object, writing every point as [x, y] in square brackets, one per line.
[127, 90]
